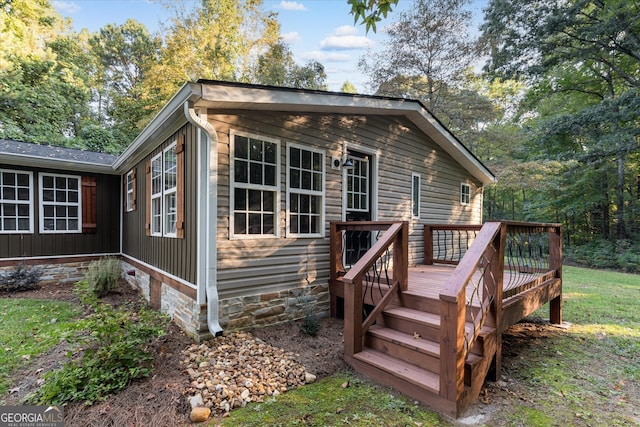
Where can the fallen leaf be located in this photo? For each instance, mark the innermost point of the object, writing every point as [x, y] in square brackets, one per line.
[346, 384]
[416, 336]
[14, 390]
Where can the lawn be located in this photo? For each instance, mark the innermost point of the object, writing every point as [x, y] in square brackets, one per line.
[587, 374]
[30, 328]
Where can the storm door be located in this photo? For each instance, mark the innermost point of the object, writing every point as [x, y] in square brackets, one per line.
[359, 185]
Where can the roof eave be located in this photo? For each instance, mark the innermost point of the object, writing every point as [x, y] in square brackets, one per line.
[53, 163]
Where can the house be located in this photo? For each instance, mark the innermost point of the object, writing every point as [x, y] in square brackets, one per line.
[220, 208]
[243, 205]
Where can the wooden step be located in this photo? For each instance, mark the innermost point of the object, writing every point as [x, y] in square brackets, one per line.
[410, 321]
[400, 370]
[411, 299]
[416, 350]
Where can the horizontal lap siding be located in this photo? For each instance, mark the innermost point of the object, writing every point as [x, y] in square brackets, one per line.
[172, 255]
[104, 240]
[249, 266]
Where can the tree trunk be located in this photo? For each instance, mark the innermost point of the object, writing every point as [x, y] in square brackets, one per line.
[621, 228]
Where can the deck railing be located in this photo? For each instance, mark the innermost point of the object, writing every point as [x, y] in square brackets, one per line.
[525, 254]
[371, 276]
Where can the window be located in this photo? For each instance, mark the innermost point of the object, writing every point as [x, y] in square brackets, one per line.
[16, 202]
[130, 188]
[165, 186]
[305, 192]
[415, 195]
[156, 195]
[358, 185]
[465, 194]
[60, 204]
[255, 186]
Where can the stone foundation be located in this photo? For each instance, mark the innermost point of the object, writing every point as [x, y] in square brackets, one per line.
[275, 307]
[182, 309]
[55, 272]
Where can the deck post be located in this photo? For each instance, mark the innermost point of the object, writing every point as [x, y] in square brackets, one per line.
[452, 321]
[401, 257]
[353, 317]
[555, 263]
[428, 245]
[496, 287]
[335, 243]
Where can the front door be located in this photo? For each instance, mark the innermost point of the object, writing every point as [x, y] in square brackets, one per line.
[359, 187]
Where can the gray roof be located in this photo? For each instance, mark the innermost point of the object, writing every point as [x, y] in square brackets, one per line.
[58, 153]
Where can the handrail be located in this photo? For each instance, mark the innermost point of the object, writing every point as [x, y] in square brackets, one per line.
[355, 327]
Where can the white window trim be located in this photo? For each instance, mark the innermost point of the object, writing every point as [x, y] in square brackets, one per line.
[415, 175]
[153, 196]
[309, 192]
[30, 203]
[165, 193]
[462, 200]
[129, 179]
[233, 185]
[41, 204]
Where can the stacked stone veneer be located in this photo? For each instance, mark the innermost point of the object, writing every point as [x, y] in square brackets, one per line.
[56, 273]
[275, 307]
[234, 313]
[184, 310]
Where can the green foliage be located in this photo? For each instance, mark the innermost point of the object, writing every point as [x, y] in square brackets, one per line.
[113, 345]
[370, 11]
[620, 255]
[310, 324]
[20, 278]
[102, 275]
[30, 328]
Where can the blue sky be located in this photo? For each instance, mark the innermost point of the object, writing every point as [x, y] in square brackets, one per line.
[314, 29]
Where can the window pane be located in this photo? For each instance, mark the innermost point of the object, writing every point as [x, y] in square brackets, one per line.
[8, 209]
[317, 162]
[23, 210]
[317, 182]
[73, 224]
[47, 195]
[294, 227]
[23, 194]
[268, 224]
[48, 224]
[304, 203]
[73, 196]
[23, 180]
[61, 224]
[241, 172]
[73, 212]
[240, 199]
[47, 181]
[240, 223]
[48, 211]
[293, 203]
[23, 224]
[304, 224]
[315, 204]
[306, 180]
[268, 201]
[269, 175]
[255, 200]
[61, 211]
[294, 178]
[61, 183]
[255, 223]
[61, 196]
[271, 151]
[9, 224]
[8, 193]
[8, 178]
[241, 147]
[72, 184]
[294, 157]
[255, 173]
[255, 150]
[306, 160]
[315, 224]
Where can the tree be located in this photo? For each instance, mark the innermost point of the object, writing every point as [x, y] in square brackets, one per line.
[581, 59]
[220, 39]
[276, 67]
[348, 87]
[125, 54]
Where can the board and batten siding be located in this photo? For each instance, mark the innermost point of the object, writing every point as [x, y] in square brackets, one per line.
[257, 266]
[105, 239]
[172, 255]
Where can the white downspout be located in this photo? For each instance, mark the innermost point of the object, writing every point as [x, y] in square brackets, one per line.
[207, 238]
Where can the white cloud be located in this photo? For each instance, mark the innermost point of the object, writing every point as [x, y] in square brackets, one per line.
[291, 37]
[320, 56]
[346, 30]
[65, 7]
[292, 5]
[345, 42]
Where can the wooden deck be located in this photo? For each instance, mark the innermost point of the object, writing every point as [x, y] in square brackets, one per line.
[434, 331]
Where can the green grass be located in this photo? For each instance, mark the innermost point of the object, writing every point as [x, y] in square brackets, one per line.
[328, 403]
[583, 375]
[28, 330]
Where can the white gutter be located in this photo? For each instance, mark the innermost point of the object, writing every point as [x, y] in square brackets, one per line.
[207, 216]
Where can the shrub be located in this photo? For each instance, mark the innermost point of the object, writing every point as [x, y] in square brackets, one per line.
[20, 278]
[103, 275]
[114, 343]
[310, 324]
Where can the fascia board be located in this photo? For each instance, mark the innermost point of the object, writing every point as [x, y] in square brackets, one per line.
[15, 159]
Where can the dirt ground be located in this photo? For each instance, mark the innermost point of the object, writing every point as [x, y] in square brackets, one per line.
[159, 399]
